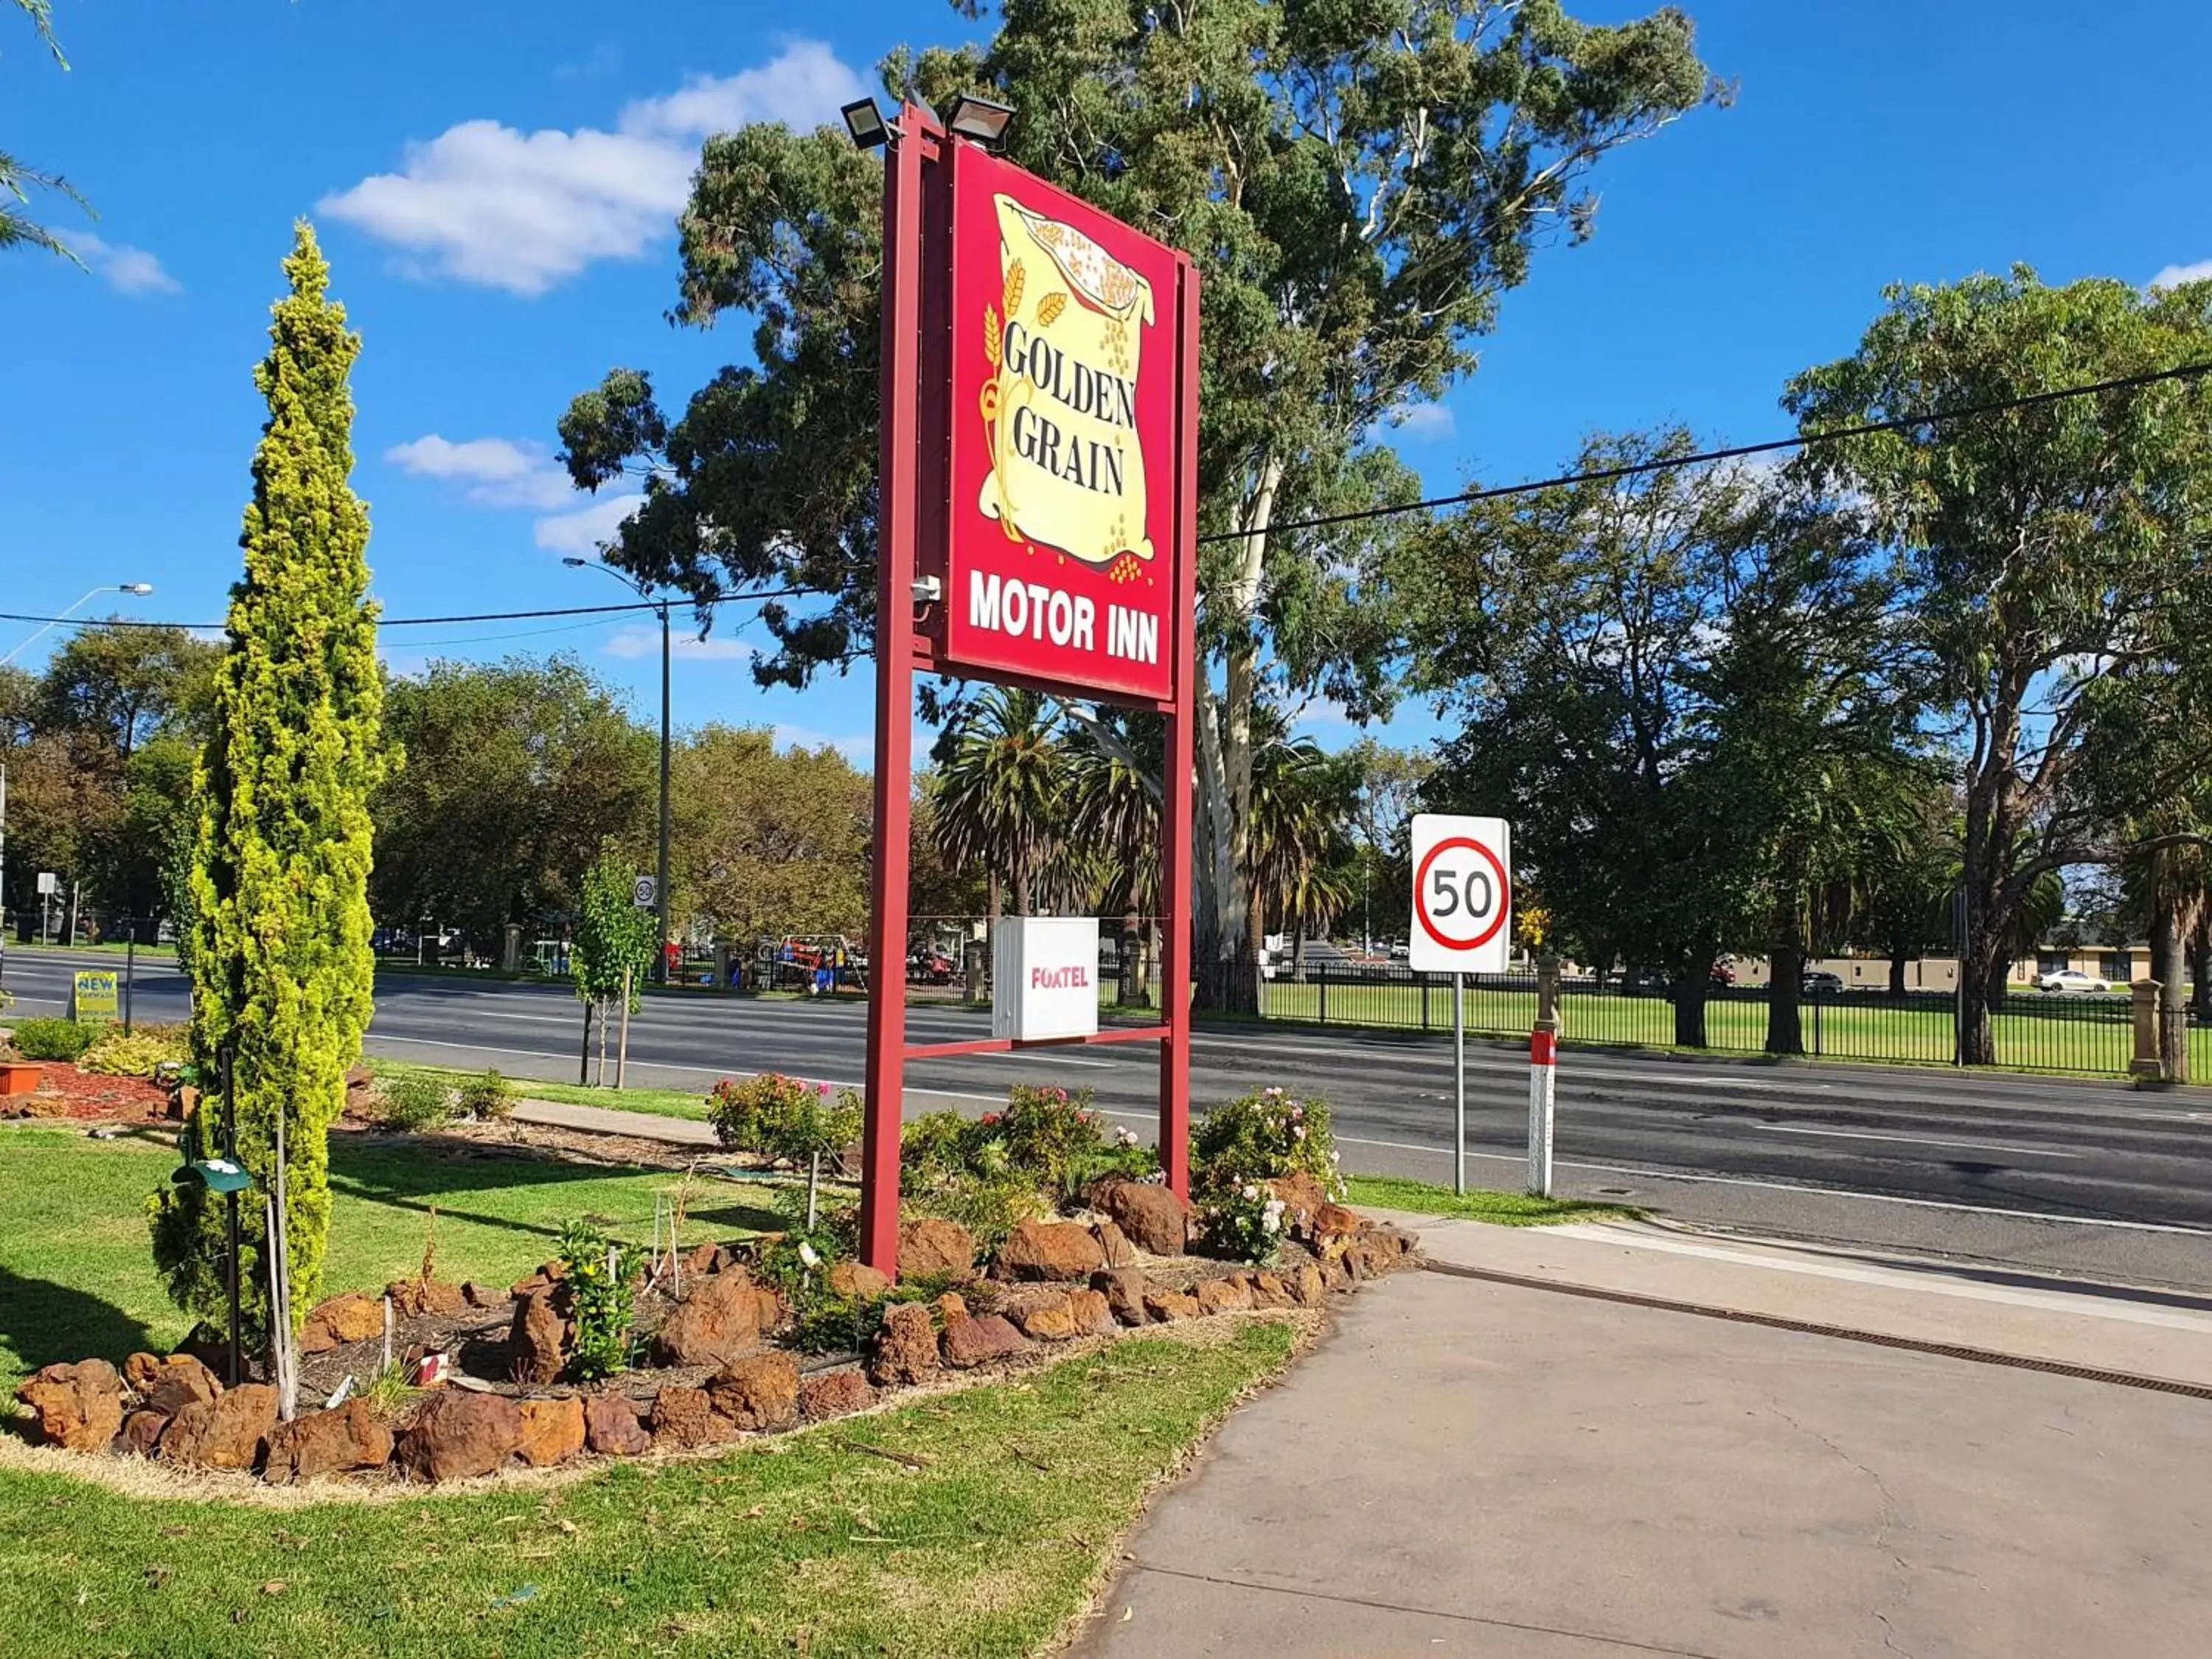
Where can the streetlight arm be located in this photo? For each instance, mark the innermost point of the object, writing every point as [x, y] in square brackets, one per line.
[138, 590]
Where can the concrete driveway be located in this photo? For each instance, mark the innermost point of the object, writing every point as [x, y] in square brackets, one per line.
[1478, 1469]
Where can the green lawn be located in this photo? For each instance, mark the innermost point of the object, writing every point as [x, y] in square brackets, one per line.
[76, 1273]
[988, 1544]
[1501, 1209]
[801, 1544]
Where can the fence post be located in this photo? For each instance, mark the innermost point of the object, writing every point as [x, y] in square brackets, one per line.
[1816, 1020]
[1424, 999]
[2147, 1066]
[1321, 978]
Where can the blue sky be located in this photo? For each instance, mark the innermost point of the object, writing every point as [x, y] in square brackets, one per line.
[494, 185]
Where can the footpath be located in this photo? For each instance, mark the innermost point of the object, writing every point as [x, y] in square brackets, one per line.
[1595, 1440]
[1613, 1439]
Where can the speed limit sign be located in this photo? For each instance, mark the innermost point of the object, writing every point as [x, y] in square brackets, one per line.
[1462, 894]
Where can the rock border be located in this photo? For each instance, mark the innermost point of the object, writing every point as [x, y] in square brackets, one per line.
[172, 1414]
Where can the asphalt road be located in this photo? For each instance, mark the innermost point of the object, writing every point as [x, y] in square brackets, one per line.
[2047, 1173]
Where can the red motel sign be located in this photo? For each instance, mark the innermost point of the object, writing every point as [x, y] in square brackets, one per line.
[1038, 525]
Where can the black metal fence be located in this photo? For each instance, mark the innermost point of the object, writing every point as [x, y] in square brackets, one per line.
[2033, 1031]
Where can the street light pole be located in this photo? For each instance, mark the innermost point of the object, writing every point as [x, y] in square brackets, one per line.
[136, 590]
[660, 873]
[660, 877]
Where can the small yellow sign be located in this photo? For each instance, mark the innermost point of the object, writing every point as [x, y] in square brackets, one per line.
[91, 993]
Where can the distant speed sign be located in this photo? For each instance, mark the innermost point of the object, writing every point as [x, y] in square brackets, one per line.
[1462, 894]
[641, 893]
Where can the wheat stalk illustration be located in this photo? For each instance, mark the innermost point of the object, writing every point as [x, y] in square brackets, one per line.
[1012, 299]
[991, 344]
[1049, 307]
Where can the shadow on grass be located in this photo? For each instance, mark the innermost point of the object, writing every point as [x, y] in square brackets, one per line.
[421, 1175]
[42, 1322]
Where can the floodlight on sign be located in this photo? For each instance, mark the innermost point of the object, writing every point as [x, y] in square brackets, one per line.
[866, 123]
[981, 120]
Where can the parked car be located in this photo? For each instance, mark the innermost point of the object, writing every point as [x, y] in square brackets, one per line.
[1819, 982]
[929, 967]
[2072, 979]
[1721, 975]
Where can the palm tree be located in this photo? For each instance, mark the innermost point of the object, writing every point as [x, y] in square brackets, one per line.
[1003, 803]
[1116, 813]
[1302, 807]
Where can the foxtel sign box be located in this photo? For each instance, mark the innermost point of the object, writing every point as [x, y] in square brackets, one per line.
[1044, 977]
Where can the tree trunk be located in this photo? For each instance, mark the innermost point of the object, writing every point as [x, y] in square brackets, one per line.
[1133, 988]
[1897, 957]
[1690, 992]
[1977, 1030]
[1225, 758]
[2200, 968]
[2166, 968]
[1785, 1031]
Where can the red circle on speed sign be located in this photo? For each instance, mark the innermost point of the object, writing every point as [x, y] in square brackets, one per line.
[1421, 895]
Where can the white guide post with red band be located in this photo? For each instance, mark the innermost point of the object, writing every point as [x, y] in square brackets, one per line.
[1543, 1068]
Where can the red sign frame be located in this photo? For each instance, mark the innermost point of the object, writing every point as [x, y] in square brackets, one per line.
[931, 531]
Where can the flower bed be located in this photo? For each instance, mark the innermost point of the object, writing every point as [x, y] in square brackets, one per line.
[612, 1352]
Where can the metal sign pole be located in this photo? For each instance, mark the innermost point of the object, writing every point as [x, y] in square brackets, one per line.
[1459, 1083]
[893, 780]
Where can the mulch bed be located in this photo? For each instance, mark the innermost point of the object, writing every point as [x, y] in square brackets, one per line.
[82, 1097]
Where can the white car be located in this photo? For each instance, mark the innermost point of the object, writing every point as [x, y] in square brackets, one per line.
[2072, 979]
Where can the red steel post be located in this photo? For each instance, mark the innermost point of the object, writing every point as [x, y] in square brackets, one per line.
[895, 565]
[1175, 762]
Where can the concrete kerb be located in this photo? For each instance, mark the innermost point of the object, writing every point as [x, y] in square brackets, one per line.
[2112, 1333]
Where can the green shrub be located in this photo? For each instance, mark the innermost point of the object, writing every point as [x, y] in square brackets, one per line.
[1046, 1140]
[55, 1039]
[1263, 1136]
[936, 1140]
[1243, 1223]
[414, 1100]
[988, 1206]
[488, 1098]
[598, 1284]
[1240, 1147]
[1048, 1133]
[753, 1115]
[140, 1053]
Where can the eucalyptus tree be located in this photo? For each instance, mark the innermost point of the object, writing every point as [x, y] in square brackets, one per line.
[2048, 545]
[1675, 685]
[1360, 186]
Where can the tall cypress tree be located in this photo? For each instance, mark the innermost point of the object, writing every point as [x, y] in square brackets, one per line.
[280, 961]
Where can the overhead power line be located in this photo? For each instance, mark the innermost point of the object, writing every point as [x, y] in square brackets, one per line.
[1496, 492]
[427, 621]
[1734, 452]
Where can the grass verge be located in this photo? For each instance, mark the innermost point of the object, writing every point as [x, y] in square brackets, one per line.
[1501, 1209]
[656, 1102]
[77, 1270]
[799, 1545]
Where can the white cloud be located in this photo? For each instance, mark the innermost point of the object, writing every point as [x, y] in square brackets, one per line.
[802, 88]
[489, 204]
[128, 270]
[587, 529]
[643, 640]
[859, 748]
[1424, 422]
[499, 472]
[2175, 275]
